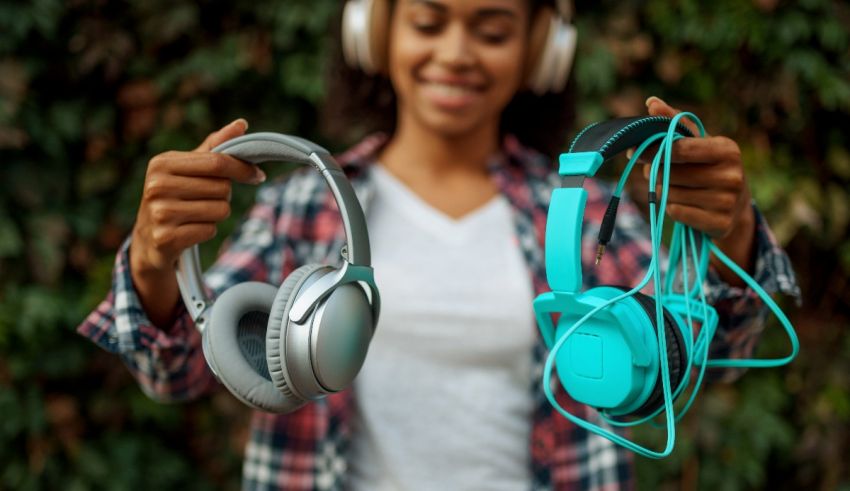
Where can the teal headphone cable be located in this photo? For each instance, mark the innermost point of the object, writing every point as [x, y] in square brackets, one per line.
[680, 241]
[686, 246]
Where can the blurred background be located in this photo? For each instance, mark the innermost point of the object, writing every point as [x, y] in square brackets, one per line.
[91, 89]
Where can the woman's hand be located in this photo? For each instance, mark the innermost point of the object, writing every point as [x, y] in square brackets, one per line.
[185, 195]
[708, 191]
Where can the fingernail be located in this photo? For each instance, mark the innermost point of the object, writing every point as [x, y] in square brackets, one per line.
[650, 100]
[241, 121]
[259, 175]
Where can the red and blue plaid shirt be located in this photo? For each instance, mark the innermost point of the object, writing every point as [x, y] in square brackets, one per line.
[295, 222]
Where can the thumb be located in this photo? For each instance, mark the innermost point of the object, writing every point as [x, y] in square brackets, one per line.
[657, 107]
[228, 132]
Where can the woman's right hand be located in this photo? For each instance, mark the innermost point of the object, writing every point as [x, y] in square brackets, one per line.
[185, 195]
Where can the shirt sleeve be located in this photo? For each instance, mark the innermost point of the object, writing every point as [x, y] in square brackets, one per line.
[742, 312]
[168, 362]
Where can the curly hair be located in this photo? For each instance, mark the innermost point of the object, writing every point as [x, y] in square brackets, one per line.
[358, 103]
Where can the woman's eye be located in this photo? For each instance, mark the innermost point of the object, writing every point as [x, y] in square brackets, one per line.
[427, 27]
[493, 31]
[426, 22]
[494, 37]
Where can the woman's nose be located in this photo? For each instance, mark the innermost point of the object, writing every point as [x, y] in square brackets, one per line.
[454, 47]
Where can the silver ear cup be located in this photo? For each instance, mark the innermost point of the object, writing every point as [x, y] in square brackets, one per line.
[234, 345]
[324, 353]
[342, 328]
[277, 325]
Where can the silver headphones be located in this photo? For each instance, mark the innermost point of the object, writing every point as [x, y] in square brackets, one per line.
[365, 26]
[278, 348]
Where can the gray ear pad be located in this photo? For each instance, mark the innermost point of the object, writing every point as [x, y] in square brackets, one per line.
[205, 345]
[278, 319]
[234, 345]
[325, 353]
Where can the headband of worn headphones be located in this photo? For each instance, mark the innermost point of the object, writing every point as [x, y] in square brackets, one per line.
[257, 148]
[590, 149]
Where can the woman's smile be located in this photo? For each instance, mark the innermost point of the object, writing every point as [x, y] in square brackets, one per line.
[451, 93]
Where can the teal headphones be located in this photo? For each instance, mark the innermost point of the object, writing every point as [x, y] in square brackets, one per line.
[627, 354]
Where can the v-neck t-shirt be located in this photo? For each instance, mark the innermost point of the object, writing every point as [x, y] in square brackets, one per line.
[443, 400]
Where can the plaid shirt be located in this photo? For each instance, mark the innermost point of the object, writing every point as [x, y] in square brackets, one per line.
[295, 222]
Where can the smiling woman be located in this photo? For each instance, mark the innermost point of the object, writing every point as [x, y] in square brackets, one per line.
[471, 100]
[361, 101]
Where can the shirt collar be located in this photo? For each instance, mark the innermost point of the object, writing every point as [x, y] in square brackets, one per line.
[512, 155]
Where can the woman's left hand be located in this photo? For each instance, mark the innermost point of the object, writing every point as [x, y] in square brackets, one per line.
[708, 190]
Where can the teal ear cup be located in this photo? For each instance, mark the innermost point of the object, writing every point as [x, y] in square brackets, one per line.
[595, 365]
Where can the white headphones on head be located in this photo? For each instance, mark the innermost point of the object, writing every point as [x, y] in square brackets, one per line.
[365, 24]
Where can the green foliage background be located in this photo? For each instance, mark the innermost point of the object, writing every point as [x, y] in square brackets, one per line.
[90, 90]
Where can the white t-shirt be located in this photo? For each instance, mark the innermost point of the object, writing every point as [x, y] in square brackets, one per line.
[443, 399]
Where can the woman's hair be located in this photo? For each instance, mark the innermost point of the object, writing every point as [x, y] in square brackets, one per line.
[358, 103]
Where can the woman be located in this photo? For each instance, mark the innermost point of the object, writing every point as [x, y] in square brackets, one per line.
[449, 397]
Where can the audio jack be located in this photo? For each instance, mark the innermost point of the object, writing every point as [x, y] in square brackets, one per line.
[607, 227]
[600, 251]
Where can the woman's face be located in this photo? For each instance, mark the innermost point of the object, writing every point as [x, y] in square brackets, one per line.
[455, 64]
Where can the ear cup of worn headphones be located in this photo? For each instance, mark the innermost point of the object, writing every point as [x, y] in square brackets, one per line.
[365, 27]
[324, 353]
[541, 55]
[551, 51]
[234, 344]
[676, 354]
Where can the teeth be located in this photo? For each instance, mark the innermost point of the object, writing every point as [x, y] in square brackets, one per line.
[450, 90]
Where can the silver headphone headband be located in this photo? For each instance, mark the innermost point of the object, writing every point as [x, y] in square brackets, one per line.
[257, 148]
